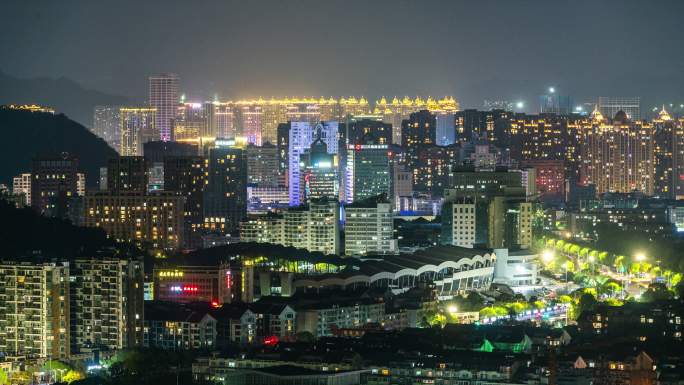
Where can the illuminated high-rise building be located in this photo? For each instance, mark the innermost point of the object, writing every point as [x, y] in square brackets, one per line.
[631, 105]
[21, 185]
[163, 96]
[34, 310]
[249, 121]
[186, 176]
[225, 195]
[223, 119]
[154, 219]
[106, 303]
[369, 228]
[262, 165]
[361, 130]
[300, 137]
[191, 121]
[127, 174]
[353, 107]
[54, 183]
[107, 125]
[368, 172]
[419, 129]
[319, 173]
[619, 156]
[138, 126]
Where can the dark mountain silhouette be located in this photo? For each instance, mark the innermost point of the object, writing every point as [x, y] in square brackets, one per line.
[25, 233]
[26, 135]
[62, 94]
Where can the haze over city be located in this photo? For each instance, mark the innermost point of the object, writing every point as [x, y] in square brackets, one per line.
[474, 50]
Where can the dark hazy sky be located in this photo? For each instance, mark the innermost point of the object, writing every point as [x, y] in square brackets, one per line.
[471, 49]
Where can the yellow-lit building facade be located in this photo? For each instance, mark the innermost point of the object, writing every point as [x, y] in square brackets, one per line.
[155, 219]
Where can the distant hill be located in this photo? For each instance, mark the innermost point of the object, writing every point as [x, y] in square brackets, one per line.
[62, 94]
[26, 135]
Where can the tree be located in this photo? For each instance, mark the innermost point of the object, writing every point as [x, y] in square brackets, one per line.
[656, 292]
[72, 375]
[20, 378]
[4, 379]
[587, 302]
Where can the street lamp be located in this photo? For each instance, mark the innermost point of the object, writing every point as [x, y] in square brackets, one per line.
[640, 257]
[452, 309]
[547, 256]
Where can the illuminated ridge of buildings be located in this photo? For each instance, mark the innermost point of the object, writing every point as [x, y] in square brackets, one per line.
[30, 107]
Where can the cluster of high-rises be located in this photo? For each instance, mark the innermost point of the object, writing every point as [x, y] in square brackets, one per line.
[332, 175]
[53, 310]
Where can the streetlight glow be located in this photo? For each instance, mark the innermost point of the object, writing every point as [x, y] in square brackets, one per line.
[640, 257]
[547, 256]
[452, 309]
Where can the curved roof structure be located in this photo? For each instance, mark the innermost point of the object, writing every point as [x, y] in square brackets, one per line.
[432, 260]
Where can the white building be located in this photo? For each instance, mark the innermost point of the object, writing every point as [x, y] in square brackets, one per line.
[516, 268]
[163, 96]
[463, 223]
[369, 229]
[314, 227]
[22, 185]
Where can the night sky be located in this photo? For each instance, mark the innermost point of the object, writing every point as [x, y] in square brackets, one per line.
[473, 50]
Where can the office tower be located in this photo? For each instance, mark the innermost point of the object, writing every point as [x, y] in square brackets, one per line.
[668, 145]
[419, 129]
[106, 301]
[430, 166]
[21, 185]
[319, 173]
[225, 195]
[248, 117]
[107, 125]
[300, 137]
[262, 165]
[186, 176]
[283, 146]
[402, 184]
[155, 219]
[365, 130]
[631, 105]
[273, 113]
[369, 228]
[553, 103]
[163, 96]
[223, 120]
[54, 183]
[34, 310]
[368, 172]
[549, 178]
[618, 156]
[191, 122]
[157, 151]
[127, 174]
[137, 126]
[493, 127]
[444, 110]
